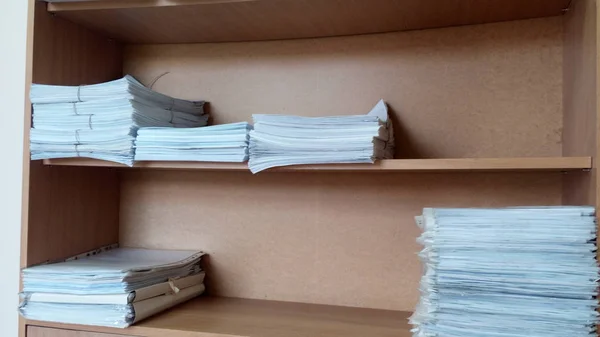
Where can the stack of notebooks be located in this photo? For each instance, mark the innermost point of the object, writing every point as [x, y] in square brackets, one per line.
[514, 272]
[219, 143]
[101, 121]
[114, 287]
[279, 140]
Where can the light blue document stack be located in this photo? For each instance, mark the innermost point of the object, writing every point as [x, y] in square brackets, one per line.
[114, 287]
[219, 143]
[280, 140]
[513, 272]
[101, 121]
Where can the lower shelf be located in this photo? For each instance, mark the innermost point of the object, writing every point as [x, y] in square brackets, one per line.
[229, 317]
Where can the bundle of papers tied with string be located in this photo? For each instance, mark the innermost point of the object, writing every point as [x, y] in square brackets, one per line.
[101, 121]
[512, 272]
[279, 140]
[219, 143]
[116, 287]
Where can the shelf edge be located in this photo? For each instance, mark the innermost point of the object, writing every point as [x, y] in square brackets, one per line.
[55, 7]
[392, 165]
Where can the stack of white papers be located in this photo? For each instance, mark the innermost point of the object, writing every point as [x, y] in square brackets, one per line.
[515, 272]
[101, 121]
[279, 140]
[116, 287]
[219, 143]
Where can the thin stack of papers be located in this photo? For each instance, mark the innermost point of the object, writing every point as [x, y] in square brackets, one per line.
[514, 272]
[279, 140]
[101, 121]
[114, 288]
[219, 143]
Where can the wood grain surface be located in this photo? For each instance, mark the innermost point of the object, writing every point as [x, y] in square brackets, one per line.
[192, 21]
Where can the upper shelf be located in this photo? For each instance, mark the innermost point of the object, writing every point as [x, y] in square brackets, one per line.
[400, 165]
[194, 21]
[228, 317]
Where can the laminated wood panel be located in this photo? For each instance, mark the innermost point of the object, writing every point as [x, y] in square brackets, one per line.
[470, 92]
[580, 95]
[193, 21]
[67, 210]
[328, 238]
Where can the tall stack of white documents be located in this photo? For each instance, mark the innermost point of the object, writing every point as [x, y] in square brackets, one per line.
[219, 143]
[101, 121]
[512, 272]
[113, 287]
[279, 140]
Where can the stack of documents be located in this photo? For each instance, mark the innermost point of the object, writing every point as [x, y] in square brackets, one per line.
[514, 272]
[116, 287]
[219, 143]
[101, 121]
[279, 140]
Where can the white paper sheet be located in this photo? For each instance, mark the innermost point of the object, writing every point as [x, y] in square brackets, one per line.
[280, 140]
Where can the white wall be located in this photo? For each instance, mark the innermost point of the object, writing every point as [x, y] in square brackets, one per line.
[13, 26]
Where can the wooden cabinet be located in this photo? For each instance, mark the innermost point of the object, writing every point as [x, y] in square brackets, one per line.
[34, 331]
[494, 103]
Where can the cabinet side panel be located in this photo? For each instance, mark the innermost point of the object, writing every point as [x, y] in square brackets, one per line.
[580, 99]
[68, 210]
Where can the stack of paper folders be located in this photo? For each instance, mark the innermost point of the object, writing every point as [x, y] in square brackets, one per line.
[115, 287]
[101, 121]
[279, 140]
[219, 143]
[513, 272]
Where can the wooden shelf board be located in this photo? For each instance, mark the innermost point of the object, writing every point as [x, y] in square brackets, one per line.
[194, 21]
[220, 317]
[407, 165]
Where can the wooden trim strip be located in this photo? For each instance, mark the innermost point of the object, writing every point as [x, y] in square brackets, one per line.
[407, 165]
[120, 4]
